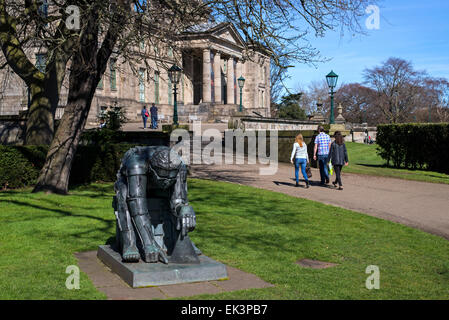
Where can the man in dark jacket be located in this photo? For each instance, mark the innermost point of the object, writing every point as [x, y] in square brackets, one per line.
[338, 155]
[153, 111]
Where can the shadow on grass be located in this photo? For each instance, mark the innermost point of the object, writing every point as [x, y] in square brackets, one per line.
[107, 222]
[260, 206]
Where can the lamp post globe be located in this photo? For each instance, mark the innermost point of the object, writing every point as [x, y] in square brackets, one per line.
[241, 82]
[332, 79]
[174, 73]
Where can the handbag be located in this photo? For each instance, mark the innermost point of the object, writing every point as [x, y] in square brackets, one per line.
[308, 171]
[146, 114]
[331, 169]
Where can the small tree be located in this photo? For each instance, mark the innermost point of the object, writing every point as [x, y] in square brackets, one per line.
[289, 108]
[113, 118]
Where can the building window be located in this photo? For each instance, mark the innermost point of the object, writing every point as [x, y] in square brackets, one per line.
[142, 85]
[156, 87]
[41, 62]
[113, 80]
[170, 92]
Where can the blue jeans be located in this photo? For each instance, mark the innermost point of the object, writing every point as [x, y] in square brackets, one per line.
[300, 162]
[322, 162]
[153, 122]
[144, 122]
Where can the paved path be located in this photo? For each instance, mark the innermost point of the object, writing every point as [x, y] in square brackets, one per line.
[116, 289]
[420, 205]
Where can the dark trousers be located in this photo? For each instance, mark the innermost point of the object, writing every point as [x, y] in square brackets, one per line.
[153, 122]
[144, 122]
[337, 169]
[322, 163]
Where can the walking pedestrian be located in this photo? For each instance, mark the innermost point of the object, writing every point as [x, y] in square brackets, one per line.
[153, 111]
[145, 116]
[339, 157]
[301, 157]
[322, 145]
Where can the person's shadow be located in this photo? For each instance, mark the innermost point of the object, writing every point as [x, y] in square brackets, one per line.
[302, 181]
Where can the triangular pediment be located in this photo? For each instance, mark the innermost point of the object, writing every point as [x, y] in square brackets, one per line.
[228, 33]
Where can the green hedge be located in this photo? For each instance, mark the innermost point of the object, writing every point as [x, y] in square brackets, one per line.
[98, 160]
[424, 146]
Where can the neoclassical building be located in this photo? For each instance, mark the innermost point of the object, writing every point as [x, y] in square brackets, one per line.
[212, 57]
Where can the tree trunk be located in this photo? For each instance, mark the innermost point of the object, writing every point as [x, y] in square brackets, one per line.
[54, 176]
[40, 122]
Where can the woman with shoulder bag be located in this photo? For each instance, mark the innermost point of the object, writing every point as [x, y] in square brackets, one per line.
[339, 157]
[301, 157]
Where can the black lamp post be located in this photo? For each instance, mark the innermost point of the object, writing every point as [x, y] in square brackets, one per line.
[174, 73]
[331, 79]
[241, 82]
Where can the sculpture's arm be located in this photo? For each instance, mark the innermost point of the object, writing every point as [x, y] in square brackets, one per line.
[180, 205]
[179, 191]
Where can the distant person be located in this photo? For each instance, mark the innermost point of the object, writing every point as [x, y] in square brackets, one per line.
[145, 116]
[322, 145]
[301, 158]
[102, 124]
[338, 155]
[153, 111]
[366, 140]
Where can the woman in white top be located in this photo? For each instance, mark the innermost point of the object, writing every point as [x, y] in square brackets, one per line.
[301, 156]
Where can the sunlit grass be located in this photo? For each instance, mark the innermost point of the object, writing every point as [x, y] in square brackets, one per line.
[257, 231]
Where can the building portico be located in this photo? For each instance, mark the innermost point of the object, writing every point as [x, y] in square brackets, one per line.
[213, 59]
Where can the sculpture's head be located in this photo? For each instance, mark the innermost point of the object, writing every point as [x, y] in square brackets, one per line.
[164, 167]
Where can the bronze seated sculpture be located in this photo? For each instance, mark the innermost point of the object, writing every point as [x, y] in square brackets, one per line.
[152, 211]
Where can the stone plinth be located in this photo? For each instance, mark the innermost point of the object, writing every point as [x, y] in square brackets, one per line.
[142, 274]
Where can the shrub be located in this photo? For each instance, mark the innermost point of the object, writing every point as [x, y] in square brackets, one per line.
[415, 146]
[20, 166]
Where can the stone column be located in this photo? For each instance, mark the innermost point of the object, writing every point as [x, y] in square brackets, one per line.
[239, 68]
[206, 76]
[190, 82]
[230, 81]
[217, 78]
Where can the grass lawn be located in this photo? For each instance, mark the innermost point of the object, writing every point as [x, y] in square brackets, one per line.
[257, 231]
[363, 159]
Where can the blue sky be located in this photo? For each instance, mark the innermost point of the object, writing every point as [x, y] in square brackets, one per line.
[414, 30]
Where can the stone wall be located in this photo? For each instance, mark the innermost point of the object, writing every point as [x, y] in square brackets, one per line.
[265, 123]
[357, 134]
